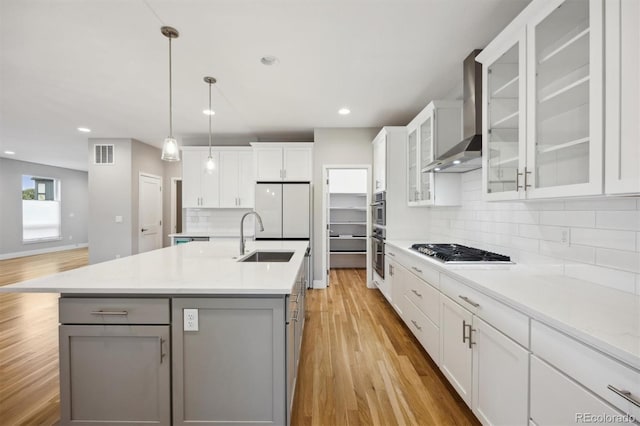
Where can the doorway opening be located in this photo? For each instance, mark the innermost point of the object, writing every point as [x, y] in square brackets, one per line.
[346, 220]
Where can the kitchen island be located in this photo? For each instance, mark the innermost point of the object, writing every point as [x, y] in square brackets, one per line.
[180, 335]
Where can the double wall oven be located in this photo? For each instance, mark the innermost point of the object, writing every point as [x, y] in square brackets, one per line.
[379, 213]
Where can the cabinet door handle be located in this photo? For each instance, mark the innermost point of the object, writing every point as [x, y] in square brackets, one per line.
[526, 173]
[464, 331]
[469, 301]
[162, 354]
[518, 186]
[285, 173]
[624, 394]
[416, 324]
[471, 342]
[416, 269]
[391, 254]
[391, 270]
[416, 293]
[113, 313]
[466, 337]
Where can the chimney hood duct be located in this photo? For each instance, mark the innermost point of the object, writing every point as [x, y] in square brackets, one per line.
[466, 155]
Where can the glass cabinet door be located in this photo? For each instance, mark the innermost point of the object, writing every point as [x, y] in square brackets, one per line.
[412, 166]
[504, 138]
[565, 147]
[426, 157]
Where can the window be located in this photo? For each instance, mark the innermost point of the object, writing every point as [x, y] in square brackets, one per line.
[40, 209]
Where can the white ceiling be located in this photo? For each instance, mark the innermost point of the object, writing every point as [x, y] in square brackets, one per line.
[103, 64]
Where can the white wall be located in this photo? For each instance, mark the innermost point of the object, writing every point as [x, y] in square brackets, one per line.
[335, 146]
[602, 235]
[74, 207]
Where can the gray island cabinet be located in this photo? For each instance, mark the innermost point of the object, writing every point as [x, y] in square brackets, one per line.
[130, 354]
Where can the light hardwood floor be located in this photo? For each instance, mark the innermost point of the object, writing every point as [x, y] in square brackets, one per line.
[360, 365]
[29, 390]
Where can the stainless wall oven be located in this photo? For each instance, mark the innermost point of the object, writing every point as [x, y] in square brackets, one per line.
[379, 209]
[377, 246]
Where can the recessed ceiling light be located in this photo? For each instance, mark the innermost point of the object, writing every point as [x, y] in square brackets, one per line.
[456, 161]
[344, 111]
[84, 129]
[208, 112]
[10, 152]
[269, 60]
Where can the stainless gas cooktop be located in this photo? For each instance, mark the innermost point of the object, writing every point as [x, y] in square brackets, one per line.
[457, 253]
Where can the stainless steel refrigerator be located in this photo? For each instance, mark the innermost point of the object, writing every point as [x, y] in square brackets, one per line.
[285, 209]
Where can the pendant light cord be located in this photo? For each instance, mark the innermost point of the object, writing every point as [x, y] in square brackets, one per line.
[210, 111]
[170, 95]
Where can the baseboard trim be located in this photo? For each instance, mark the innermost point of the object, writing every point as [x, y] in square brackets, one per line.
[319, 284]
[42, 251]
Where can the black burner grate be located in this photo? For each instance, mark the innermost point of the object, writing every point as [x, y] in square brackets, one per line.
[458, 253]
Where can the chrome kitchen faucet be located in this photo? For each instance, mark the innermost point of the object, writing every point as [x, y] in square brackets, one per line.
[242, 228]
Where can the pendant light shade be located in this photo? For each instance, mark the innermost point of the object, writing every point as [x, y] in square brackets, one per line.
[170, 149]
[211, 164]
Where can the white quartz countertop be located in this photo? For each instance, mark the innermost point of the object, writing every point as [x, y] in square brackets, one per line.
[193, 268]
[605, 318]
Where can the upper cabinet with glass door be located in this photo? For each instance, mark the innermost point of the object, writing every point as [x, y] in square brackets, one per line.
[565, 78]
[543, 103]
[436, 129]
[504, 117]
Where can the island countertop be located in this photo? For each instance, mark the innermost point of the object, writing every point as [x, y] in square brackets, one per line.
[206, 268]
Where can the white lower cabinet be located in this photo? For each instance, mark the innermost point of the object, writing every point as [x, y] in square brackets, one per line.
[423, 328]
[488, 369]
[500, 377]
[558, 400]
[456, 356]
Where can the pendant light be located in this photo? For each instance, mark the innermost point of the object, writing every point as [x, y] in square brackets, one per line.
[170, 150]
[211, 165]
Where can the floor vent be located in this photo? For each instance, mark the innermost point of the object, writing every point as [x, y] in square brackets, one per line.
[103, 154]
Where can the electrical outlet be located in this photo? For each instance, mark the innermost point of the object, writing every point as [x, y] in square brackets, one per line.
[190, 319]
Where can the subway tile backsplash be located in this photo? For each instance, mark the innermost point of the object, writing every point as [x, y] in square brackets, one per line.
[596, 240]
[217, 222]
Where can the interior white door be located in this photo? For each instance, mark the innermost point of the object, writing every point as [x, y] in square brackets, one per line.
[269, 207]
[150, 213]
[295, 210]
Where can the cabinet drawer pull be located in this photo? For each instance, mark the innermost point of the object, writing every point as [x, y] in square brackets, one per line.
[416, 269]
[416, 293]
[416, 324]
[391, 254]
[115, 313]
[469, 301]
[624, 394]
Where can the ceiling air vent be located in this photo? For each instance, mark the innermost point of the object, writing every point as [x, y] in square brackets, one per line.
[103, 154]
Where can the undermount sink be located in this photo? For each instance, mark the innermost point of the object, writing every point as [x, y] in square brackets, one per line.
[268, 256]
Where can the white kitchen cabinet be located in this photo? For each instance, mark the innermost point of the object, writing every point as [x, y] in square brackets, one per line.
[622, 103]
[436, 129]
[274, 162]
[500, 377]
[380, 162]
[489, 370]
[547, 409]
[556, 148]
[456, 356]
[200, 188]
[236, 179]
[504, 131]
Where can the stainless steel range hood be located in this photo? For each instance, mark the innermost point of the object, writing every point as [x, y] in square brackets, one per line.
[466, 155]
